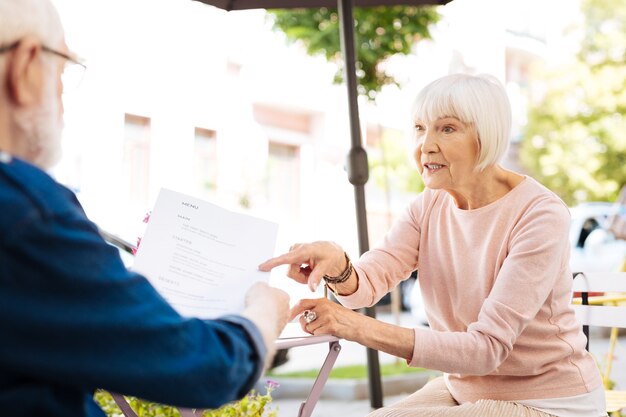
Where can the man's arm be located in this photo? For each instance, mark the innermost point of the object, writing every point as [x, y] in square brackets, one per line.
[71, 313]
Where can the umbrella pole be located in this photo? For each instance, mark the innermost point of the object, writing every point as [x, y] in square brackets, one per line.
[358, 173]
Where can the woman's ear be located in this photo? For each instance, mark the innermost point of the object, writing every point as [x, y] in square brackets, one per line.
[25, 72]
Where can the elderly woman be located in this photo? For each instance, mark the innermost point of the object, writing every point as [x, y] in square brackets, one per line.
[491, 247]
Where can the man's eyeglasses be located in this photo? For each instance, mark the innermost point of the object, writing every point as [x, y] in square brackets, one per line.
[74, 69]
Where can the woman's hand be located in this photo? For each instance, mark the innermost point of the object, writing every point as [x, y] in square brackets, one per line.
[330, 318]
[309, 262]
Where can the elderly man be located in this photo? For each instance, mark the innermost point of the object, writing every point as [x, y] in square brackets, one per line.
[72, 318]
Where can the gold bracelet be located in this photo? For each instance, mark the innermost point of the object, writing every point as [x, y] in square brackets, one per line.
[345, 275]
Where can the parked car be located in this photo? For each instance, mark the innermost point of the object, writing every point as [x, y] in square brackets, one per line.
[593, 248]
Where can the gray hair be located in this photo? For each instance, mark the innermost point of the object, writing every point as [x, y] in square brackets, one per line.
[39, 18]
[478, 100]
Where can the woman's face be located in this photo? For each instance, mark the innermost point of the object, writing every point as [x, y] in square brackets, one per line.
[446, 153]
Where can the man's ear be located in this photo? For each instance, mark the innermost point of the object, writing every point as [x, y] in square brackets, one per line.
[25, 72]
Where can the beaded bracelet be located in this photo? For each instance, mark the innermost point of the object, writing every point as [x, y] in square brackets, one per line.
[345, 275]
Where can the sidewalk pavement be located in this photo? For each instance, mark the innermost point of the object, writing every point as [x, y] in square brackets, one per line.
[330, 408]
[312, 357]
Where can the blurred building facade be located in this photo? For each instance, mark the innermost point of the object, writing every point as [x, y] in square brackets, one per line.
[184, 96]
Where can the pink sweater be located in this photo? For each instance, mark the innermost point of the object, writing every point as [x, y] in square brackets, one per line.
[497, 288]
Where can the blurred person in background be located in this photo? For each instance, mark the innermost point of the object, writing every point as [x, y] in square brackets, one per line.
[492, 251]
[72, 317]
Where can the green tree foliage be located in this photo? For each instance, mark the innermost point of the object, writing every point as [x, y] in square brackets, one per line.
[575, 141]
[380, 32]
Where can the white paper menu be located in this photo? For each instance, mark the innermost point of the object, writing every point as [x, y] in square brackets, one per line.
[201, 257]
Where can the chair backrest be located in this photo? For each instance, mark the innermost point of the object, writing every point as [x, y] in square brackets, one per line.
[605, 313]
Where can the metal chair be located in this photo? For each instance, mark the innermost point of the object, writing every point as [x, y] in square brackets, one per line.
[606, 310]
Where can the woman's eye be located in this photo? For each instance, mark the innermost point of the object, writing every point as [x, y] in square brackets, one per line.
[448, 129]
[419, 128]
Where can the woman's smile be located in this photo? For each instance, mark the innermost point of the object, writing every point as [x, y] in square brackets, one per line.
[431, 167]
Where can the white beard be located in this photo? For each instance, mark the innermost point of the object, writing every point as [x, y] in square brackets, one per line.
[42, 129]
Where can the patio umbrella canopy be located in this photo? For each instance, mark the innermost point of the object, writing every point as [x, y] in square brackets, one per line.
[293, 4]
[357, 165]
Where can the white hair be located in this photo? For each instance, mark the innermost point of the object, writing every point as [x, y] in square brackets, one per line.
[39, 18]
[478, 100]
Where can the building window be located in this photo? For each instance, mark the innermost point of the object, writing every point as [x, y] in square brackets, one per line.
[136, 163]
[283, 179]
[205, 162]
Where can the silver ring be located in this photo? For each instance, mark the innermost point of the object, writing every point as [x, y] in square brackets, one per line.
[309, 316]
